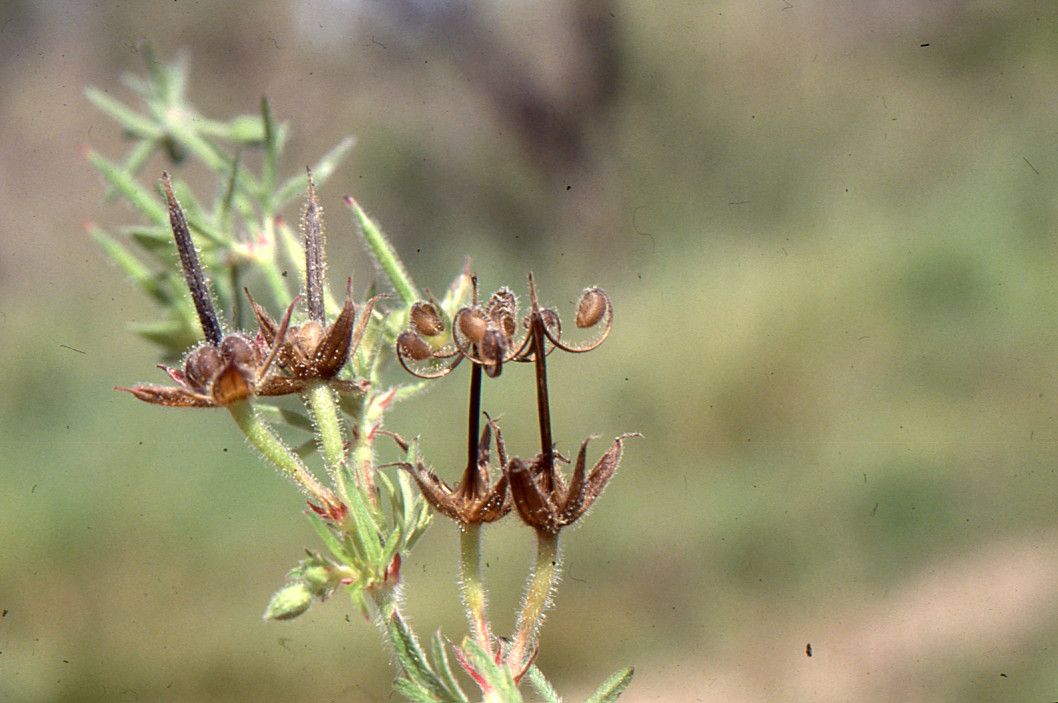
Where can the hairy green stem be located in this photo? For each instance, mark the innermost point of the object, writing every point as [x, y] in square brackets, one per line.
[272, 448]
[324, 408]
[372, 410]
[474, 598]
[537, 599]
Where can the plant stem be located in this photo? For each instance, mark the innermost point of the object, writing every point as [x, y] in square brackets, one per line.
[372, 410]
[543, 406]
[537, 599]
[272, 448]
[324, 409]
[474, 598]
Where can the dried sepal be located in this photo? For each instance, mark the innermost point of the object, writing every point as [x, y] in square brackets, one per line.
[311, 351]
[551, 509]
[476, 499]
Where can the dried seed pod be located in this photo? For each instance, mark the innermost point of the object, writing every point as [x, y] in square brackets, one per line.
[201, 365]
[426, 320]
[307, 337]
[493, 350]
[413, 346]
[591, 308]
[502, 309]
[473, 324]
[238, 350]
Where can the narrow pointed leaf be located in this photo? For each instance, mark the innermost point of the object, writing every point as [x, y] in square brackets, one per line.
[384, 254]
[542, 685]
[329, 539]
[366, 533]
[133, 122]
[413, 691]
[444, 668]
[612, 687]
[498, 676]
[140, 198]
[413, 659]
[271, 157]
[133, 267]
[321, 171]
[176, 335]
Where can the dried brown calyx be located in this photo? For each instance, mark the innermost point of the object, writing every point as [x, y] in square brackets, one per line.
[477, 498]
[315, 351]
[544, 499]
[226, 368]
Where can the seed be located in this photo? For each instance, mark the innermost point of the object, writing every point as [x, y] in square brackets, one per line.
[413, 346]
[472, 324]
[426, 320]
[591, 308]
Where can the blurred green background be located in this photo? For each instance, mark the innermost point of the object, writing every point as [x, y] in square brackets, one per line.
[830, 233]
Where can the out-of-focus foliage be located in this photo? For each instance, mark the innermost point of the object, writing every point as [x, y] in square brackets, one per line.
[830, 233]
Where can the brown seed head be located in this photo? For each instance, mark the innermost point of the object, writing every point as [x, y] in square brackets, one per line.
[426, 320]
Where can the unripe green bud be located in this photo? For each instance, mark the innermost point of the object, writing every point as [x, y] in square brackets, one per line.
[289, 602]
[318, 578]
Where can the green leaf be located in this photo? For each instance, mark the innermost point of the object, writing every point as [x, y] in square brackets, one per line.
[413, 659]
[384, 254]
[137, 158]
[413, 691]
[133, 122]
[440, 657]
[365, 535]
[175, 334]
[612, 687]
[287, 417]
[133, 267]
[542, 685]
[245, 129]
[330, 540]
[499, 677]
[141, 198]
[321, 171]
[271, 156]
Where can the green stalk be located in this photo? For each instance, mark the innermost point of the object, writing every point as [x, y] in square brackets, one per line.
[272, 448]
[537, 599]
[324, 409]
[373, 408]
[474, 598]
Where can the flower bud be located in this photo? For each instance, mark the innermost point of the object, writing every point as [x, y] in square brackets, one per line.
[318, 578]
[289, 602]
